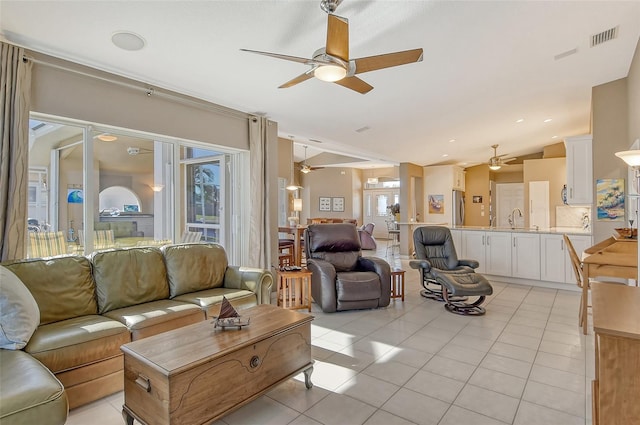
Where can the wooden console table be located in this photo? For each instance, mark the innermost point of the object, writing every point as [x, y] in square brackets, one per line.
[611, 257]
[616, 323]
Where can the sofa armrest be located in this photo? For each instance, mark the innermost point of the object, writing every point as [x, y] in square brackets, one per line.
[259, 281]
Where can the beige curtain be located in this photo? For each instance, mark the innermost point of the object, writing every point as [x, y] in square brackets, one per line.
[259, 234]
[15, 92]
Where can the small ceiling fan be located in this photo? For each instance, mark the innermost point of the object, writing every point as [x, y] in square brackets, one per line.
[496, 161]
[332, 63]
[306, 168]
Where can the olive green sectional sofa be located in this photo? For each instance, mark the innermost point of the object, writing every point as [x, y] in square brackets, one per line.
[90, 306]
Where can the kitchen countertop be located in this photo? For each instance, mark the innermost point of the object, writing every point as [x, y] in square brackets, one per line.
[551, 230]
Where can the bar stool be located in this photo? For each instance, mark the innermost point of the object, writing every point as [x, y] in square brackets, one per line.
[393, 237]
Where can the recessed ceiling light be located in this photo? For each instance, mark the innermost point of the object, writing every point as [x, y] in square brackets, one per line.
[127, 40]
[554, 137]
[548, 120]
[520, 120]
[452, 140]
[445, 155]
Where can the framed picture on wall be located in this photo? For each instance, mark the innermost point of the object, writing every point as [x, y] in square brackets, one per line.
[337, 204]
[325, 204]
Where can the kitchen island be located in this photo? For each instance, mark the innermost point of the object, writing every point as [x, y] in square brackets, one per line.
[528, 256]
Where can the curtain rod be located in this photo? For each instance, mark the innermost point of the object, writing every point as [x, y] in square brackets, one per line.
[149, 90]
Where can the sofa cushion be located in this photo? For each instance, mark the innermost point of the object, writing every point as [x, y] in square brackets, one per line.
[76, 342]
[19, 314]
[210, 299]
[129, 276]
[194, 267]
[357, 286]
[63, 287]
[29, 392]
[153, 313]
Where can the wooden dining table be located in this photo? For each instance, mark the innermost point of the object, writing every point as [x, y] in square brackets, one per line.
[297, 232]
[613, 257]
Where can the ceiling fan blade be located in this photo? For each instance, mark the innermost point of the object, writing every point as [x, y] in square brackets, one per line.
[279, 56]
[508, 160]
[338, 37]
[300, 78]
[372, 63]
[356, 84]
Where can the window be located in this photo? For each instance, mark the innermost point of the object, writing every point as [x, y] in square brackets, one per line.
[163, 186]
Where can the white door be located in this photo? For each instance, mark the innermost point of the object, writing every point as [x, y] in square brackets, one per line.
[509, 196]
[539, 204]
[375, 209]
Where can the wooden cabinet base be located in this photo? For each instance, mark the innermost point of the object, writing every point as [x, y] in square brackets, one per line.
[197, 374]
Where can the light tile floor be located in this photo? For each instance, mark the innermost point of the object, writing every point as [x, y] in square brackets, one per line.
[524, 363]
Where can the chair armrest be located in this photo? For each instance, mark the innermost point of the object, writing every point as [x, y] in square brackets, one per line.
[323, 284]
[420, 264]
[259, 281]
[469, 263]
[382, 269]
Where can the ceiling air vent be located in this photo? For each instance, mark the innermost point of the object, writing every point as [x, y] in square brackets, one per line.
[604, 36]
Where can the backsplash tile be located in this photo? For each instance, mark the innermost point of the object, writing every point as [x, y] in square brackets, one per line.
[567, 216]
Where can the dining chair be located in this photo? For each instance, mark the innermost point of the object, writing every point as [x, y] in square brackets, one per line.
[580, 281]
[47, 244]
[189, 237]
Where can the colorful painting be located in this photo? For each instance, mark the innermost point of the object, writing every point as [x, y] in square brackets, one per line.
[74, 196]
[610, 199]
[436, 204]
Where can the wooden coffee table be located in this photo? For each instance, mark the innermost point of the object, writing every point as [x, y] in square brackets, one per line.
[198, 373]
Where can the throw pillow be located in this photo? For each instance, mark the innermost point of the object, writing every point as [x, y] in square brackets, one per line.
[19, 313]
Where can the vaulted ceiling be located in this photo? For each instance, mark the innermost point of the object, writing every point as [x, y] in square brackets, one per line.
[487, 64]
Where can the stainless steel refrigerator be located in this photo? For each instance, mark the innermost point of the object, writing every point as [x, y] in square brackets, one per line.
[457, 208]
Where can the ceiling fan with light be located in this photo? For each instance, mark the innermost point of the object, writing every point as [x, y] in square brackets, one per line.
[306, 168]
[496, 161]
[332, 63]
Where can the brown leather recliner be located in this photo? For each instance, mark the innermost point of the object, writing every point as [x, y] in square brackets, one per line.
[342, 279]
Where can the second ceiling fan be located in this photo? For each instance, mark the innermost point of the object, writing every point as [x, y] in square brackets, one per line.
[496, 161]
[306, 168]
[332, 63]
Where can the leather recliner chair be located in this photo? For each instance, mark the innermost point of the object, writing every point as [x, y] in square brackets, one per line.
[445, 277]
[342, 279]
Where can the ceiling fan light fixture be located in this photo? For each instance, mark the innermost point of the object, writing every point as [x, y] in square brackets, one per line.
[330, 73]
[106, 137]
[495, 167]
[305, 170]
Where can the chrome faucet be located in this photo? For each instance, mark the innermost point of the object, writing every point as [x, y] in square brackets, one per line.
[512, 217]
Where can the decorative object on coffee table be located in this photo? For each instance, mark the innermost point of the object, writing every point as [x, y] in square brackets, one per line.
[229, 317]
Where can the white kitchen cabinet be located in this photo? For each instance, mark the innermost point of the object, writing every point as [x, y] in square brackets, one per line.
[456, 235]
[491, 249]
[525, 255]
[498, 253]
[473, 248]
[552, 258]
[458, 178]
[579, 170]
[555, 263]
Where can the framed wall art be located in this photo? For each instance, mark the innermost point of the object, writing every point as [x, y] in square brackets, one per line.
[337, 204]
[610, 199]
[325, 204]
